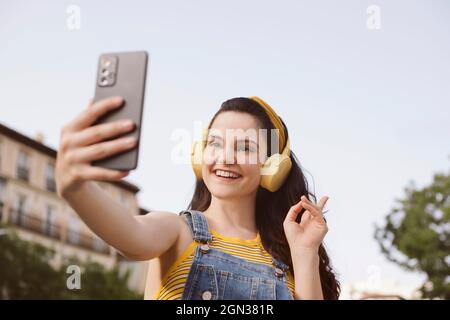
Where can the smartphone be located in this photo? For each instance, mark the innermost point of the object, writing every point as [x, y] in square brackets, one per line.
[122, 74]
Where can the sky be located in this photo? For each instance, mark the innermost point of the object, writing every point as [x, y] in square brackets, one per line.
[367, 107]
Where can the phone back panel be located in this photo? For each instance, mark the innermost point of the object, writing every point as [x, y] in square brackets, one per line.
[122, 74]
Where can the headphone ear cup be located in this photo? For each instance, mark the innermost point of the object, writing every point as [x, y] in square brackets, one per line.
[196, 159]
[275, 171]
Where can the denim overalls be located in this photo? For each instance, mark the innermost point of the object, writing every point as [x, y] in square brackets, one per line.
[217, 275]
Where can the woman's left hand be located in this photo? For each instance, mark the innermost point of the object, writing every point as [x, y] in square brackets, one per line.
[309, 233]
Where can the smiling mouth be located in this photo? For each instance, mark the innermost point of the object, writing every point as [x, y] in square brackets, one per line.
[226, 175]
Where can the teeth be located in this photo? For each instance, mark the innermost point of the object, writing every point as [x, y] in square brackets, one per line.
[226, 174]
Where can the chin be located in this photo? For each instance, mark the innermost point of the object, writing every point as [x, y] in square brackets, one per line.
[223, 190]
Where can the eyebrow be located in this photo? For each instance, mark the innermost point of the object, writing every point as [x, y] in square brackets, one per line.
[220, 138]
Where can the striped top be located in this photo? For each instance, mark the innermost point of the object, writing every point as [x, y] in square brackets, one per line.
[172, 285]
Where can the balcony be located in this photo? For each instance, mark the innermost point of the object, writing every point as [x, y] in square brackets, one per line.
[31, 222]
[35, 224]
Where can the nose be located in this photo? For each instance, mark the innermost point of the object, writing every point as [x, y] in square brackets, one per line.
[226, 156]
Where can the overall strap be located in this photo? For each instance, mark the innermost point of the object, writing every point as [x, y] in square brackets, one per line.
[279, 264]
[198, 225]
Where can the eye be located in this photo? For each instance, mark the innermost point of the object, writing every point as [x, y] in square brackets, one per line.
[245, 148]
[213, 143]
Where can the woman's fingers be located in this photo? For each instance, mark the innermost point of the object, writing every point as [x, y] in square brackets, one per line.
[304, 198]
[322, 202]
[100, 132]
[316, 213]
[102, 150]
[97, 173]
[313, 210]
[293, 212]
[320, 205]
[93, 112]
[305, 218]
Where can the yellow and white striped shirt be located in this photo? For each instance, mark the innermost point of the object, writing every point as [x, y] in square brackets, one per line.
[172, 285]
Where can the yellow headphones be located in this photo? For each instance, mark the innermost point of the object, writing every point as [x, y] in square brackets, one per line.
[274, 170]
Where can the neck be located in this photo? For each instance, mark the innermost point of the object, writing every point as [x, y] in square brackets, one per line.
[233, 214]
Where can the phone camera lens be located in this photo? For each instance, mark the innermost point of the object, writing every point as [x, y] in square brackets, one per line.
[106, 63]
[104, 81]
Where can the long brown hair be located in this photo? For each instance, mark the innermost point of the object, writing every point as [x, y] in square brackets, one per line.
[272, 207]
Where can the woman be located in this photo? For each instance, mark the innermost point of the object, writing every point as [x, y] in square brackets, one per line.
[244, 235]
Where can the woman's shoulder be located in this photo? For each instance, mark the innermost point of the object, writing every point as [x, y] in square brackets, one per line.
[174, 221]
[178, 224]
[166, 220]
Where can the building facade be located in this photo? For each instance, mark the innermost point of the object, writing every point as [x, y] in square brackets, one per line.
[30, 204]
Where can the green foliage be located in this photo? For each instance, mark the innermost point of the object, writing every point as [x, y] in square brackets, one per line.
[25, 273]
[100, 283]
[416, 235]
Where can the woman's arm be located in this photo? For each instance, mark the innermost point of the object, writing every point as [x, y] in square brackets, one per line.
[82, 142]
[136, 237]
[304, 240]
[306, 275]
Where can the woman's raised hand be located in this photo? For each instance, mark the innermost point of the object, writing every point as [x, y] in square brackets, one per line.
[82, 142]
[310, 232]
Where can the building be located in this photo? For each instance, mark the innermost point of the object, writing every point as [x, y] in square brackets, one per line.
[29, 203]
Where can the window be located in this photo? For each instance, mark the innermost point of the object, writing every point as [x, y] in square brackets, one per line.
[48, 222]
[2, 189]
[19, 212]
[2, 195]
[22, 166]
[50, 177]
[74, 230]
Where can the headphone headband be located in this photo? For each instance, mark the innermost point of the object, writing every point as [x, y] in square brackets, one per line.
[275, 119]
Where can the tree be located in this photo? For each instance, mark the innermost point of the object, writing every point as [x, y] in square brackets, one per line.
[24, 268]
[25, 273]
[416, 235]
[100, 283]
